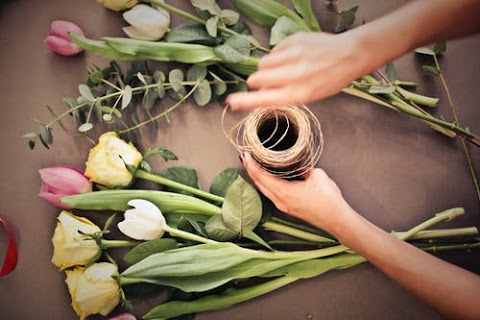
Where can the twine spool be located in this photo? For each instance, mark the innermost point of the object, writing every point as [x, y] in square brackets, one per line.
[285, 141]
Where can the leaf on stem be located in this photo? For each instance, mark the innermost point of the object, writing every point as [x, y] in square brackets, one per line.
[212, 25]
[206, 5]
[304, 8]
[148, 248]
[425, 50]
[433, 70]
[165, 153]
[196, 73]
[45, 135]
[391, 72]
[347, 18]
[223, 181]
[175, 77]
[229, 17]
[185, 175]
[126, 96]
[217, 230]
[283, 28]
[85, 127]
[159, 78]
[203, 93]
[190, 32]
[86, 92]
[440, 47]
[235, 49]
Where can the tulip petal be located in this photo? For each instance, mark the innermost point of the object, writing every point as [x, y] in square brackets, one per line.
[148, 21]
[61, 28]
[54, 199]
[65, 180]
[62, 46]
[123, 316]
[135, 33]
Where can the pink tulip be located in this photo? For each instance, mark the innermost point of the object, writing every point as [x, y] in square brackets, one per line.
[123, 316]
[61, 181]
[58, 39]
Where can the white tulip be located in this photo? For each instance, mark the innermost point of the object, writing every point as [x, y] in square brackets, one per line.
[146, 23]
[144, 222]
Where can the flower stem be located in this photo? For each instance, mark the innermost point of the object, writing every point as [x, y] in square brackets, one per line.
[141, 174]
[457, 122]
[300, 234]
[106, 244]
[442, 233]
[187, 235]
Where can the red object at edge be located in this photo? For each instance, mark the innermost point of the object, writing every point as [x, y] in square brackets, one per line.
[11, 258]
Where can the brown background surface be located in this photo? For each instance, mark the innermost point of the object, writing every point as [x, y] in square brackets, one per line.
[394, 170]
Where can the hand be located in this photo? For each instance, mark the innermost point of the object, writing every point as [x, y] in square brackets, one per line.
[317, 199]
[302, 68]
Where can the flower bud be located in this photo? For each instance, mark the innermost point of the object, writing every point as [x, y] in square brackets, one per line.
[93, 290]
[144, 222]
[71, 245]
[61, 181]
[123, 316]
[106, 164]
[58, 39]
[146, 23]
[117, 5]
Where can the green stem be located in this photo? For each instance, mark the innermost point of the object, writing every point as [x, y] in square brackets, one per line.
[106, 244]
[300, 234]
[300, 227]
[194, 18]
[457, 122]
[405, 84]
[441, 233]
[141, 174]
[187, 235]
[220, 301]
[466, 246]
[417, 98]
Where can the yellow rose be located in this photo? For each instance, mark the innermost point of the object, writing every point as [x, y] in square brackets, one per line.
[93, 290]
[117, 5]
[71, 248]
[106, 161]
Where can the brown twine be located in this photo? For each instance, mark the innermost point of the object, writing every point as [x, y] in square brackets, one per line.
[285, 142]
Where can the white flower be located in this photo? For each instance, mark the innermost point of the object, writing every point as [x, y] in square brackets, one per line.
[71, 248]
[146, 23]
[93, 290]
[106, 161]
[144, 222]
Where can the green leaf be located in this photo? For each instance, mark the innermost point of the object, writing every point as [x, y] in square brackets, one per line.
[149, 98]
[217, 230]
[265, 12]
[184, 175]
[391, 72]
[126, 96]
[175, 77]
[165, 153]
[425, 50]
[432, 70]
[229, 17]
[203, 93]
[347, 18]
[283, 28]
[206, 5]
[141, 289]
[85, 127]
[440, 47]
[148, 248]
[249, 234]
[86, 92]
[236, 49]
[159, 78]
[196, 73]
[242, 208]
[384, 89]
[141, 78]
[211, 26]
[190, 32]
[223, 181]
[145, 166]
[304, 8]
[45, 135]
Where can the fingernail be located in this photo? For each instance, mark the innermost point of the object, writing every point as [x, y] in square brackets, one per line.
[227, 105]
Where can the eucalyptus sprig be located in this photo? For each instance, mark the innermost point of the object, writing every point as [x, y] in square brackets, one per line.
[109, 94]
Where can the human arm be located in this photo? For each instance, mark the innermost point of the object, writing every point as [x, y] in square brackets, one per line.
[450, 290]
[311, 66]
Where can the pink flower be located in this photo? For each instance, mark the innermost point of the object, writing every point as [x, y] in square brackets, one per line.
[58, 39]
[123, 316]
[61, 181]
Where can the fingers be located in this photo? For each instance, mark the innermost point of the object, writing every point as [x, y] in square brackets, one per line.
[280, 76]
[275, 97]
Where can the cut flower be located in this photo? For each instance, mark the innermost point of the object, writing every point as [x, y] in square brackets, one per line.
[144, 222]
[118, 5]
[58, 39]
[146, 23]
[71, 245]
[106, 164]
[93, 290]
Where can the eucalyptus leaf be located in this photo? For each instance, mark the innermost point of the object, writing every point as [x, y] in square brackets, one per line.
[229, 54]
[175, 77]
[149, 98]
[432, 70]
[45, 135]
[141, 78]
[440, 47]
[203, 93]
[211, 26]
[190, 32]
[242, 208]
[240, 44]
[391, 72]
[126, 96]
[206, 5]
[217, 230]
[148, 248]
[223, 181]
[283, 28]
[219, 86]
[86, 92]
[425, 50]
[196, 73]
[55, 116]
[165, 153]
[347, 18]
[229, 17]
[384, 89]
[159, 78]
[85, 127]
[185, 175]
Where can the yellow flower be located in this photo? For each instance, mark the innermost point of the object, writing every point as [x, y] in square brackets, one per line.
[106, 161]
[71, 248]
[93, 290]
[117, 5]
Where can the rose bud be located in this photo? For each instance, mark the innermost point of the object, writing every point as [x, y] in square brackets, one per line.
[58, 39]
[61, 181]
